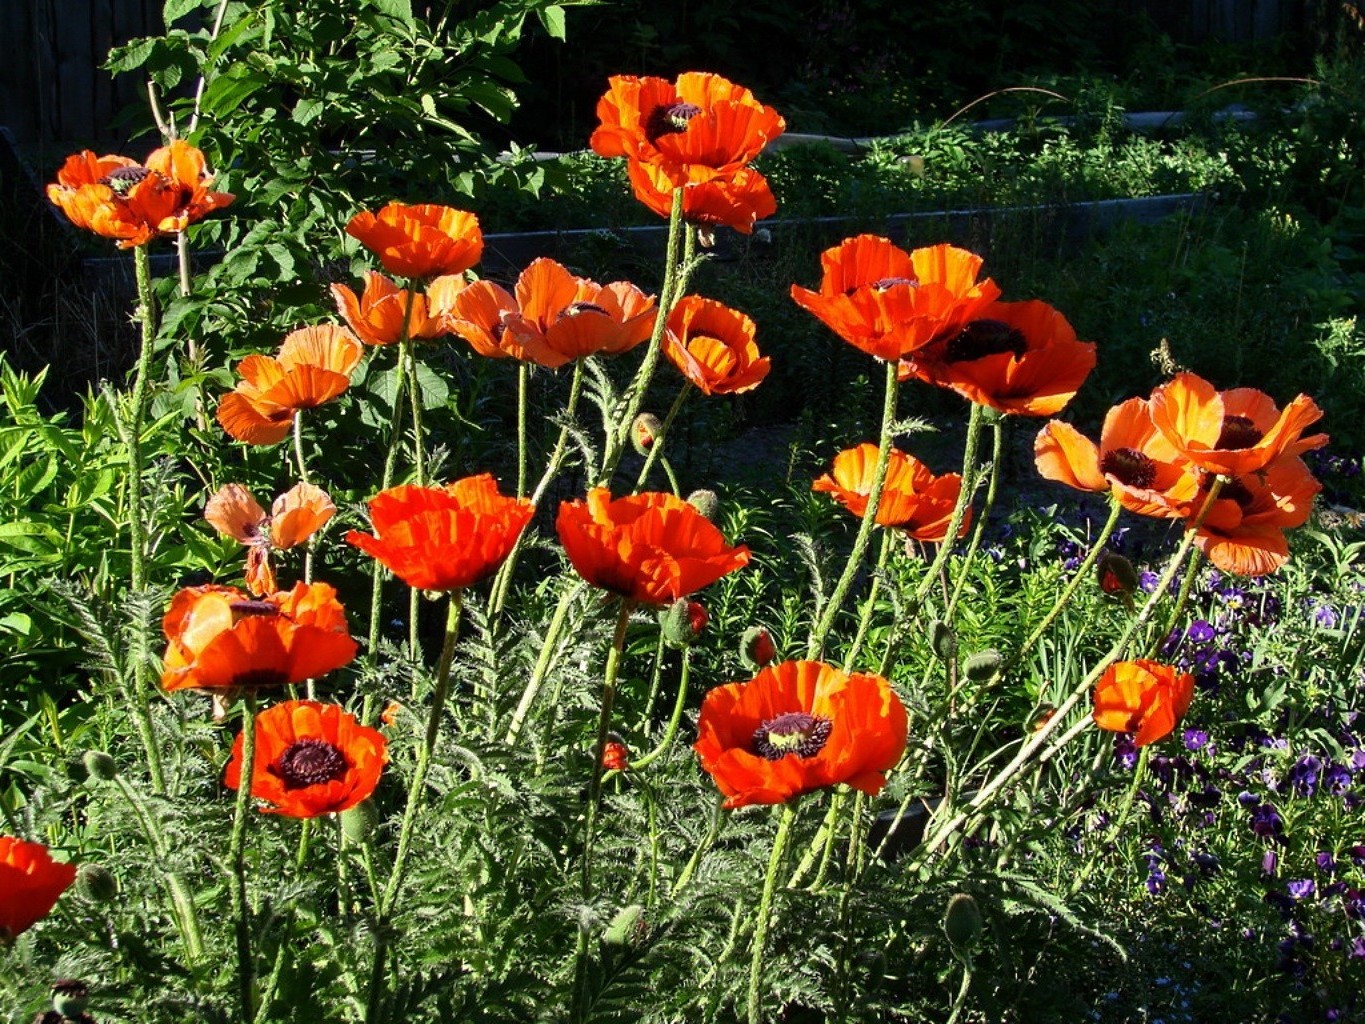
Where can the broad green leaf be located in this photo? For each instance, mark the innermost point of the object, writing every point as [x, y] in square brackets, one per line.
[176, 9]
[553, 20]
[400, 9]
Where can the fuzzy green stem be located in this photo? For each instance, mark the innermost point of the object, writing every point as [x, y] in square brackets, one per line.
[182, 900]
[765, 905]
[613, 667]
[1181, 599]
[543, 661]
[964, 500]
[964, 570]
[671, 732]
[1081, 574]
[523, 385]
[820, 844]
[865, 618]
[656, 448]
[815, 649]
[712, 832]
[960, 1002]
[415, 393]
[241, 910]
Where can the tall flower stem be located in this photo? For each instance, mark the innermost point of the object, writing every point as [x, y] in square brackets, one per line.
[543, 661]
[409, 351]
[523, 385]
[671, 732]
[1181, 599]
[865, 617]
[997, 454]
[765, 907]
[416, 798]
[619, 435]
[618, 643]
[137, 528]
[1082, 573]
[964, 500]
[657, 446]
[502, 582]
[995, 785]
[816, 647]
[241, 910]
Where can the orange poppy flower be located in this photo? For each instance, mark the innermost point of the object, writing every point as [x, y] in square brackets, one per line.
[734, 201]
[702, 125]
[913, 499]
[444, 538]
[376, 316]
[219, 638]
[311, 759]
[296, 515]
[1243, 532]
[797, 727]
[890, 303]
[1019, 357]
[1232, 432]
[564, 317]
[653, 548]
[30, 881]
[1145, 471]
[488, 317]
[313, 366]
[425, 240]
[1142, 697]
[713, 346]
[119, 198]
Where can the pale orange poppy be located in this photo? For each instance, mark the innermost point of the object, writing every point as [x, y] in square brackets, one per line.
[913, 499]
[294, 517]
[713, 346]
[376, 316]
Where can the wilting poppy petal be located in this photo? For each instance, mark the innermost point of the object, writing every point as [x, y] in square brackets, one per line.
[310, 759]
[1142, 697]
[234, 513]
[796, 727]
[30, 883]
[299, 513]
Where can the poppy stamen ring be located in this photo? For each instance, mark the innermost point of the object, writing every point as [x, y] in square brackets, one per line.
[122, 179]
[794, 732]
[310, 763]
[1238, 432]
[982, 338]
[669, 120]
[574, 308]
[1129, 467]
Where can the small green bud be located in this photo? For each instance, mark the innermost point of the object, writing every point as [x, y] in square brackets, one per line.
[943, 641]
[645, 431]
[706, 502]
[359, 821]
[962, 923]
[100, 765]
[96, 883]
[682, 622]
[983, 666]
[756, 648]
[69, 997]
[626, 926]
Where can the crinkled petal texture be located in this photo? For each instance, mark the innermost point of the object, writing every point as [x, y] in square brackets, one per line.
[377, 315]
[700, 124]
[1019, 357]
[313, 366]
[1142, 697]
[713, 346]
[444, 538]
[425, 240]
[30, 882]
[488, 317]
[1146, 473]
[862, 719]
[735, 200]
[221, 639]
[1232, 432]
[890, 303]
[652, 547]
[913, 499]
[564, 317]
[1243, 532]
[311, 759]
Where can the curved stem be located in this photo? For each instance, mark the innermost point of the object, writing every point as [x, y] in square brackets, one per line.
[543, 661]
[1181, 599]
[1081, 574]
[656, 448]
[960, 1003]
[241, 911]
[820, 843]
[523, 384]
[815, 649]
[765, 909]
[690, 868]
[964, 570]
[613, 667]
[415, 392]
[182, 901]
[964, 500]
[671, 732]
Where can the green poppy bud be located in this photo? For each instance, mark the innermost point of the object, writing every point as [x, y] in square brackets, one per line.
[682, 622]
[705, 502]
[99, 765]
[983, 666]
[943, 641]
[645, 431]
[96, 883]
[359, 821]
[962, 923]
[627, 926]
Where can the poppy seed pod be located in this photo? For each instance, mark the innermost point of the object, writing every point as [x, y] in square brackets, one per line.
[962, 923]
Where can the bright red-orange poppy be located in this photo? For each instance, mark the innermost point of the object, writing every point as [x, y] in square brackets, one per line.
[913, 499]
[487, 316]
[220, 638]
[376, 316]
[571, 317]
[116, 197]
[734, 200]
[30, 882]
[444, 538]
[1018, 357]
[889, 302]
[713, 346]
[1142, 697]
[313, 366]
[796, 727]
[310, 759]
[1243, 532]
[1232, 432]
[425, 240]
[295, 516]
[653, 548]
[1145, 471]
[701, 125]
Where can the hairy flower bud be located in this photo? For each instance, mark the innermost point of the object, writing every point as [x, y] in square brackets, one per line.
[756, 648]
[1116, 574]
[705, 502]
[100, 765]
[983, 666]
[645, 431]
[359, 821]
[96, 883]
[682, 622]
[626, 926]
[962, 923]
[943, 641]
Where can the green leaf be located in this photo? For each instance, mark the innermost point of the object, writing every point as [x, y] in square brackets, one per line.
[177, 9]
[553, 20]
[132, 56]
[434, 390]
[400, 9]
[307, 110]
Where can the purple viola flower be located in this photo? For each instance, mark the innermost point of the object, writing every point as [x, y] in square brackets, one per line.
[1358, 948]
[1353, 904]
[1304, 775]
[1325, 616]
[1266, 822]
[1156, 882]
[1248, 799]
[1358, 759]
[1148, 580]
[1125, 753]
[1196, 739]
[1327, 864]
[1207, 863]
[1199, 632]
[1301, 888]
[1336, 779]
[1269, 862]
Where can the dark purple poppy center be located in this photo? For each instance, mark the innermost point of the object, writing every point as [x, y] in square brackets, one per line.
[890, 282]
[1237, 491]
[1238, 432]
[982, 338]
[1129, 467]
[309, 763]
[669, 120]
[123, 179]
[574, 308]
[794, 732]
